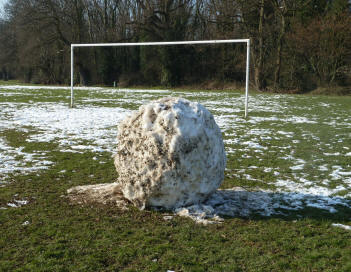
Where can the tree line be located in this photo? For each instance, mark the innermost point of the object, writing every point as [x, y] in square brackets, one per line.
[296, 45]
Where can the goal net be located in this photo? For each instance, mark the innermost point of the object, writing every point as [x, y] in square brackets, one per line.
[247, 41]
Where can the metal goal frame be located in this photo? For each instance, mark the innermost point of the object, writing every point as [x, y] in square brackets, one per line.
[247, 41]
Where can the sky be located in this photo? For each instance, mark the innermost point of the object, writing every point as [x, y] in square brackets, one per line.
[2, 3]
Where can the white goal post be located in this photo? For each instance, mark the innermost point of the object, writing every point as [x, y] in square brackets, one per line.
[247, 41]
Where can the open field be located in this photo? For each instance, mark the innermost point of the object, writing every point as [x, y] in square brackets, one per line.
[290, 164]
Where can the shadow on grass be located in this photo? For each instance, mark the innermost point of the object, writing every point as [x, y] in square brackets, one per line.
[237, 202]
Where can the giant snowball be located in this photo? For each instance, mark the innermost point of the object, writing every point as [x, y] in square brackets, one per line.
[170, 154]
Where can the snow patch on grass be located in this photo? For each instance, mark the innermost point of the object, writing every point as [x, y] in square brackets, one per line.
[55, 122]
[16, 160]
[276, 129]
[17, 203]
[345, 227]
[238, 202]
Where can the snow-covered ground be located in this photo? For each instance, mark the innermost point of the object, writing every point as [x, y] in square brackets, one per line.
[279, 125]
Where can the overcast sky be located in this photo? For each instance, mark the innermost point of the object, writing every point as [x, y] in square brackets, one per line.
[2, 3]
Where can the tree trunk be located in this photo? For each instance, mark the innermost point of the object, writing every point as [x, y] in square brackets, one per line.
[83, 75]
[280, 46]
[258, 75]
[5, 74]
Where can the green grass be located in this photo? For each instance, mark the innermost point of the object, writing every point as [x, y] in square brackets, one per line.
[65, 237]
[10, 82]
[62, 237]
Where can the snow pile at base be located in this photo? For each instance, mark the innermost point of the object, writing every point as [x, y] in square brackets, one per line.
[106, 193]
[170, 154]
[234, 202]
[238, 202]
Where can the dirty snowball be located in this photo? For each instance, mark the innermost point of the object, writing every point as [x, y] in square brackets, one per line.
[170, 154]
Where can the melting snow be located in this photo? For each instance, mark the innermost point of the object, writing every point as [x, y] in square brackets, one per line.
[239, 202]
[100, 89]
[91, 127]
[345, 227]
[17, 203]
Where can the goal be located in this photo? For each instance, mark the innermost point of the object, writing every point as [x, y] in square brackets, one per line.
[247, 41]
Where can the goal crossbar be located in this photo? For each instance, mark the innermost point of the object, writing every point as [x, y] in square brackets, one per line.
[247, 41]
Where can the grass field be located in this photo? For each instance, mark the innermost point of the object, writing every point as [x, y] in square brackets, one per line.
[290, 164]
